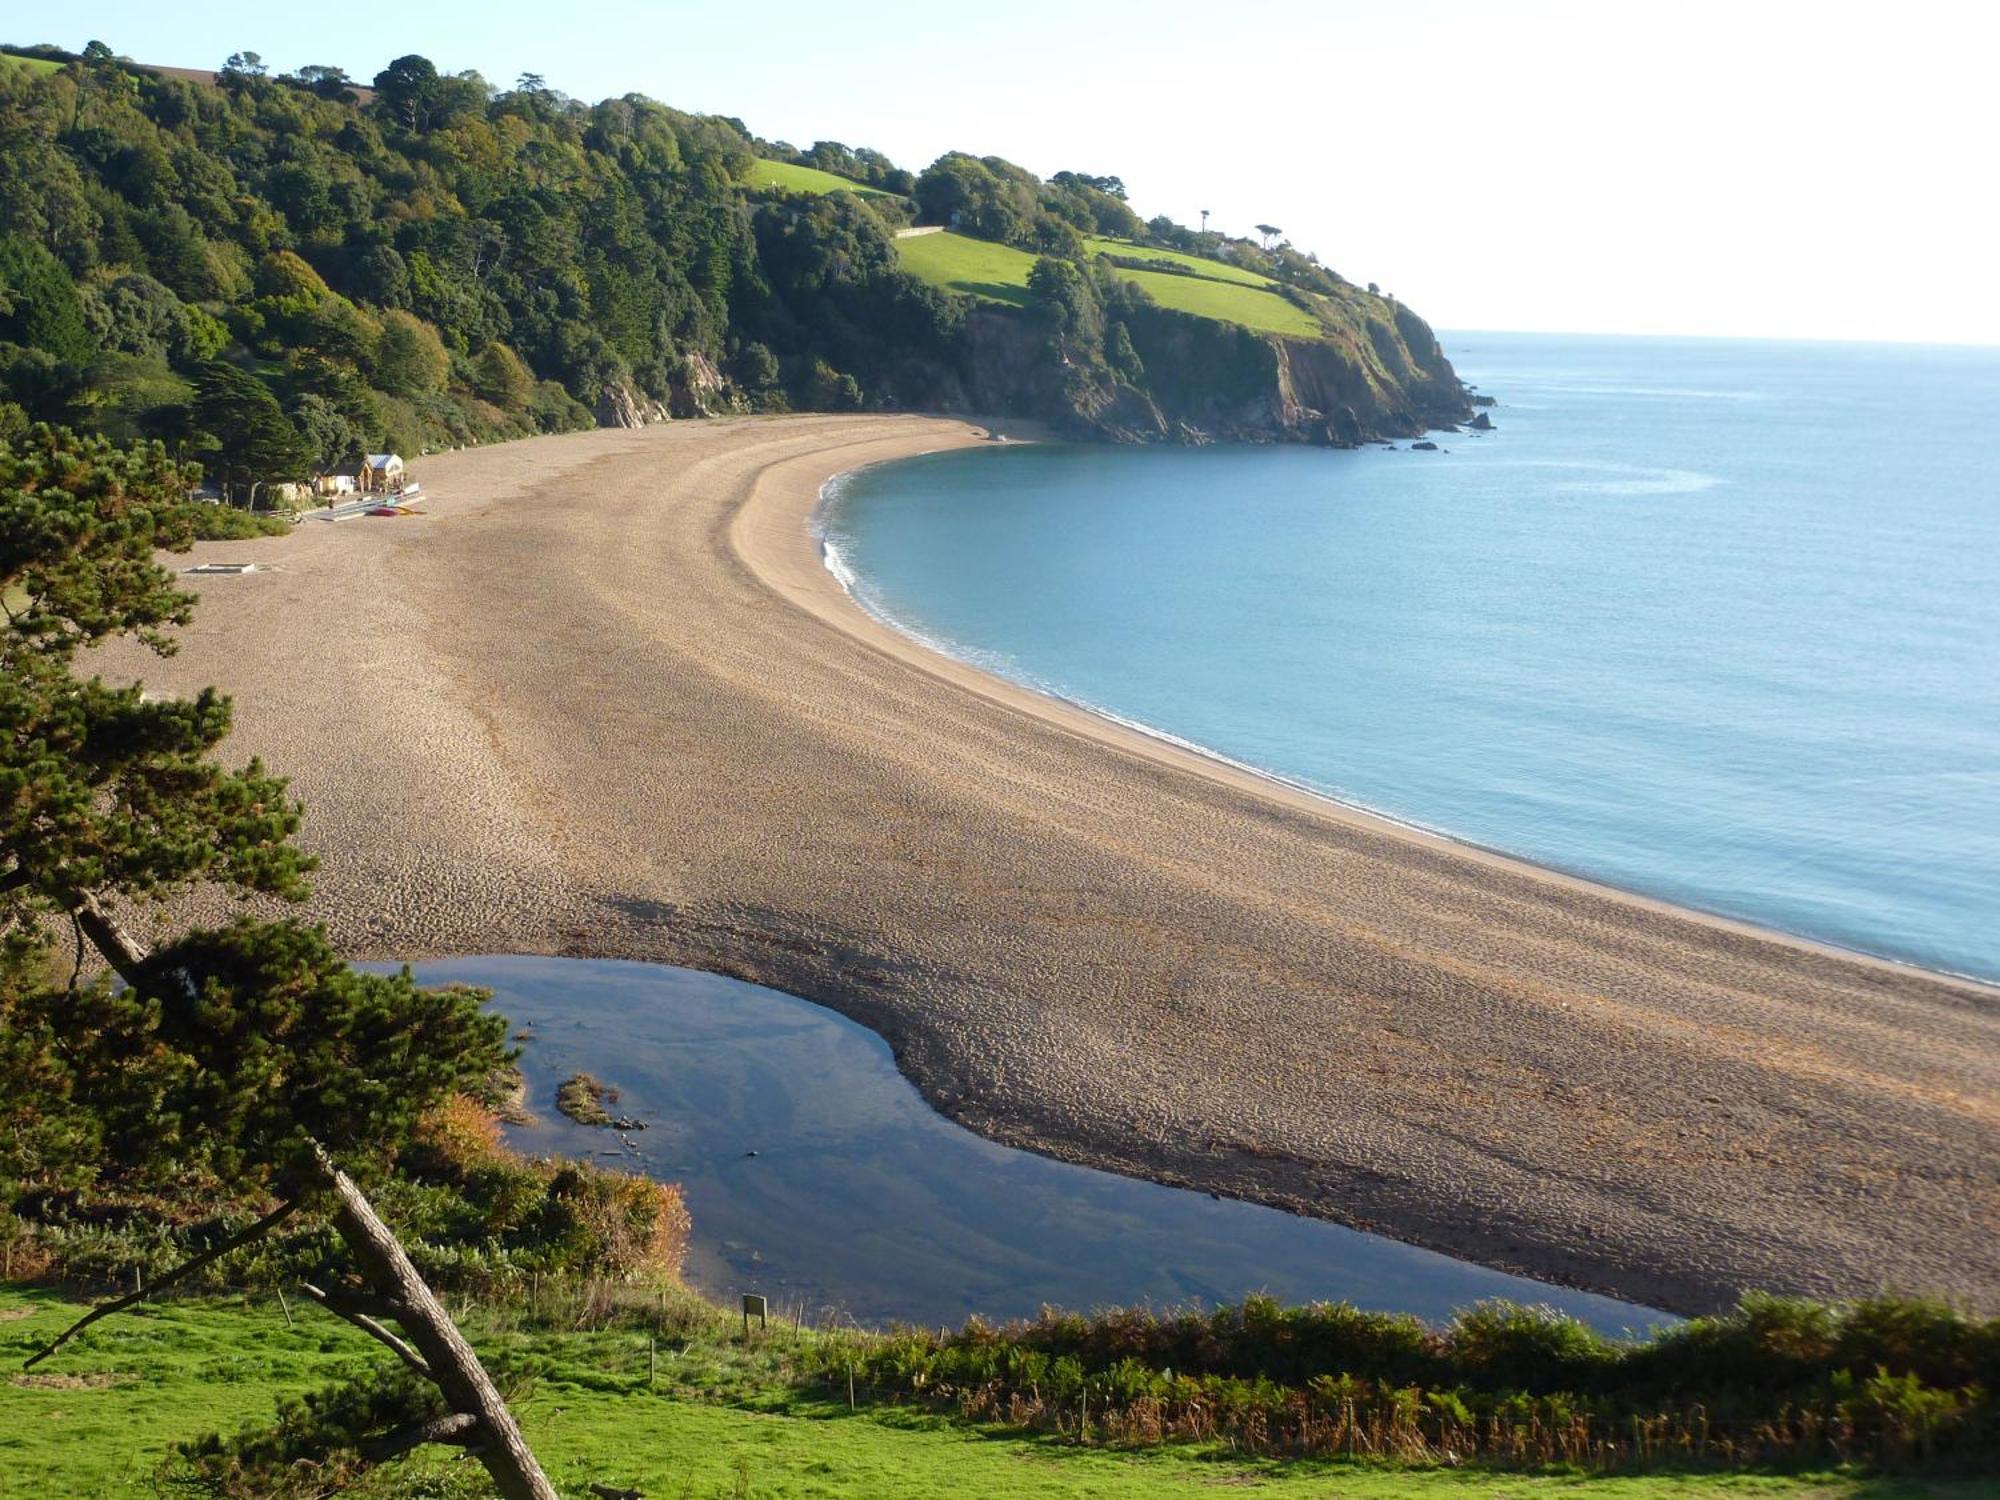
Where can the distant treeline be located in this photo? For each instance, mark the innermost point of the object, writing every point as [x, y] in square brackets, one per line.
[274, 274]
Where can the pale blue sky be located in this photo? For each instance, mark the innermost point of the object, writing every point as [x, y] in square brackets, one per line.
[1757, 167]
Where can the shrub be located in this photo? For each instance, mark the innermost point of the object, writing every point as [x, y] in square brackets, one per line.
[1502, 1345]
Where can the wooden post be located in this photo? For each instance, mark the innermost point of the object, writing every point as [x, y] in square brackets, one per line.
[850, 1384]
[652, 1358]
[286, 1308]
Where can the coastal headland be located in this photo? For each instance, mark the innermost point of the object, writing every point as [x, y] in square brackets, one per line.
[603, 698]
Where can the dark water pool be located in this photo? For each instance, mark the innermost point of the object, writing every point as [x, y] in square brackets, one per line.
[817, 1175]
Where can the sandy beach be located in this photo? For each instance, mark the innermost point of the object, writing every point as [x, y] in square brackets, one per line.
[603, 698]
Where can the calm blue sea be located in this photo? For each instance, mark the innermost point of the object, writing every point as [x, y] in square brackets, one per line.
[1717, 621]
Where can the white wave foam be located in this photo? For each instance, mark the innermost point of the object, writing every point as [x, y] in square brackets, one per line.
[1677, 393]
[1619, 479]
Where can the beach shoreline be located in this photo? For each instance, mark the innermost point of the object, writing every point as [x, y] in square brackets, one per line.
[627, 711]
[1281, 785]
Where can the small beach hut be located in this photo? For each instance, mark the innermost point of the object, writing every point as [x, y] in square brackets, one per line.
[381, 473]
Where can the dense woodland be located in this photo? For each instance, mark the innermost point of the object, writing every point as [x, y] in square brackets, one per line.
[272, 275]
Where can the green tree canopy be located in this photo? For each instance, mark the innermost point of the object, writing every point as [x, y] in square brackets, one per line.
[104, 792]
[234, 1053]
[39, 306]
[247, 438]
[499, 376]
[410, 359]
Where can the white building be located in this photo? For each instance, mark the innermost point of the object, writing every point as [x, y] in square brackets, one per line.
[381, 473]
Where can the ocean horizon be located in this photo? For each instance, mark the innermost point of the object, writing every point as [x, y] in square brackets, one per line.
[1712, 621]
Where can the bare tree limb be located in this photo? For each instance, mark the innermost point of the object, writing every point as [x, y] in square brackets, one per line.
[345, 1300]
[373, 1329]
[181, 1272]
[460, 1429]
[121, 950]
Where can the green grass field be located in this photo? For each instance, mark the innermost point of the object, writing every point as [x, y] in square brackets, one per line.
[29, 64]
[796, 179]
[975, 268]
[1215, 270]
[999, 273]
[96, 1420]
[1227, 303]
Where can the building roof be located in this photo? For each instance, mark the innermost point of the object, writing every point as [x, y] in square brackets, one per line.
[380, 460]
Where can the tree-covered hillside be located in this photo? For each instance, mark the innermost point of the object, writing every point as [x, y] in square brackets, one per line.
[275, 274]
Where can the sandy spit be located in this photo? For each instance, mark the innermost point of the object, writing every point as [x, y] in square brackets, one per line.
[604, 699]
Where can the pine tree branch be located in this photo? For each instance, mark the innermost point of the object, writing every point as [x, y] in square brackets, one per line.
[344, 1300]
[460, 1429]
[373, 1329]
[181, 1272]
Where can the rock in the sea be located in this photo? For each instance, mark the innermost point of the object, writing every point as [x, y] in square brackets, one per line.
[1424, 447]
[1483, 400]
[1481, 423]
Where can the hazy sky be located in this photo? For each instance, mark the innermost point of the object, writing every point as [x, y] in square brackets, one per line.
[1753, 167]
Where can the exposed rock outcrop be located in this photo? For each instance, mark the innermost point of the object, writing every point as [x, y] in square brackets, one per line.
[620, 405]
[698, 389]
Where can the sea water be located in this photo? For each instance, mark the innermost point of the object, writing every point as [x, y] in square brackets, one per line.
[1716, 621]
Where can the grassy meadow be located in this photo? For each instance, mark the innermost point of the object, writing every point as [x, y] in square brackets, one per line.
[1227, 302]
[973, 268]
[29, 64]
[699, 1412]
[999, 273]
[793, 178]
[1214, 270]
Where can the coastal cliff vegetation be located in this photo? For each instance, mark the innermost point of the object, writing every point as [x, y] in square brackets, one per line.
[274, 275]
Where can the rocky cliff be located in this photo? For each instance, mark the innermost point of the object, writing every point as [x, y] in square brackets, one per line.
[1378, 373]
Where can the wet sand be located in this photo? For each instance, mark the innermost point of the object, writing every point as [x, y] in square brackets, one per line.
[603, 699]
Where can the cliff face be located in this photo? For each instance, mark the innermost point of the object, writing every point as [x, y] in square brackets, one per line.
[1381, 374]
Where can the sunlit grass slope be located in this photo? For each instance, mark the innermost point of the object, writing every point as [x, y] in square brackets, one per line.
[1215, 270]
[29, 64]
[1227, 303]
[999, 273]
[796, 179]
[714, 1419]
[974, 268]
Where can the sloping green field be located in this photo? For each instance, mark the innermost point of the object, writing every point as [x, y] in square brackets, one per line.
[797, 179]
[973, 268]
[1215, 270]
[95, 1422]
[29, 64]
[999, 273]
[1226, 302]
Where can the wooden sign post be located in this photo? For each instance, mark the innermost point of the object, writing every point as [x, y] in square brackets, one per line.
[755, 1306]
